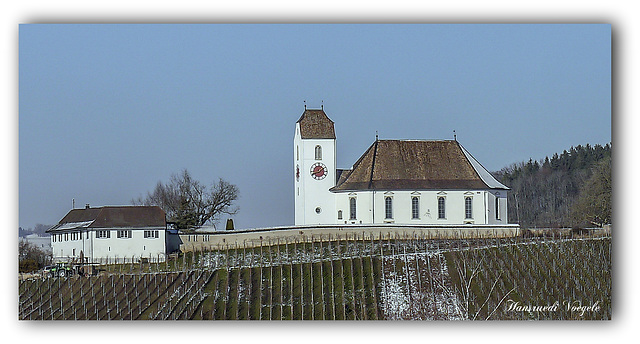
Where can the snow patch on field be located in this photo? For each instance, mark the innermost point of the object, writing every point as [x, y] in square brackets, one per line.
[418, 287]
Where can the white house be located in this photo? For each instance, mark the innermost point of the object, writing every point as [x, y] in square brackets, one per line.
[421, 182]
[114, 233]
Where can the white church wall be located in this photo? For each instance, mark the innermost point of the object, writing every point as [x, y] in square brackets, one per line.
[364, 209]
[501, 196]
[482, 207]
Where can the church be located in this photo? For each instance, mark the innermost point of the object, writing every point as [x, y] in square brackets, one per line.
[402, 182]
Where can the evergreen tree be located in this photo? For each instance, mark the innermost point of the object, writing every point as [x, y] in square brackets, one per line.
[544, 193]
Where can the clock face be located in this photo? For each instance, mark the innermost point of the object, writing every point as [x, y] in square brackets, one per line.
[318, 171]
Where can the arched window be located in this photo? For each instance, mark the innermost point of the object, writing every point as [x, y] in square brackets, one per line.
[352, 208]
[441, 210]
[468, 211]
[318, 152]
[415, 207]
[497, 208]
[388, 208]
[339, 214]
[297, 153]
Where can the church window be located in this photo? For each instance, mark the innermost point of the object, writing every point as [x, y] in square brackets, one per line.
[352, 208]
[388, 208]
[497, 208]
[318, 152]
[339, 214]
[468, 211]
[415, 207]
[297, 153]
[441, 210]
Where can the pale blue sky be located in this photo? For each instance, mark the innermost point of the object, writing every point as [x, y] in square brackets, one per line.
[106, 111]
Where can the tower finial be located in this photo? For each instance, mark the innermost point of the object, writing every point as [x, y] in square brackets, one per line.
[454, 135]
[376, 136]
[322, 104]
[305, 104]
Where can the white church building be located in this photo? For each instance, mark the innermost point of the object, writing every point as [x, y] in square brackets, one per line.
[418, 182]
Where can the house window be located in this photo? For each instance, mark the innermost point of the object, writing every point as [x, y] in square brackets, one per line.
[151, 234]
[53, 238]
[339, 214]
[441, 210]
[126, 234]
[318, 152]
[497, 208]
[66, 236]
[468, 212]
[103, 234]
[415, 207]
[388, 208]
[352, 208]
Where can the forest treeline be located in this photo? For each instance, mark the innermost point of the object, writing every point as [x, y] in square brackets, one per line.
[571, 189]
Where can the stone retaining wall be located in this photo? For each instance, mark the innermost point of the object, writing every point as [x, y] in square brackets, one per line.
[258, 237]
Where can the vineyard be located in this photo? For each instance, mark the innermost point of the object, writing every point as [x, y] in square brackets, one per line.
[345, 278]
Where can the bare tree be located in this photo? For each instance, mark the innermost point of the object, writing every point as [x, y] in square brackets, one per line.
[31, 257]
[189, 203]
[594, 203]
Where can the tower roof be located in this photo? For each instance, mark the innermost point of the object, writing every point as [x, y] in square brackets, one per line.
[314, 124]
[417, 165]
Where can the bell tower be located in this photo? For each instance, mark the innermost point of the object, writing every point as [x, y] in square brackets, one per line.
[314, 166]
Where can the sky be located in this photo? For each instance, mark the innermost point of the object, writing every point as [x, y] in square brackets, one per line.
[107, 111]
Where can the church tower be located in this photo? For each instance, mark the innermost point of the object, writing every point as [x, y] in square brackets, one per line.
[314, 164]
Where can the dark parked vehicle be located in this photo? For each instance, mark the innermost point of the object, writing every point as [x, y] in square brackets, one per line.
[60, 270]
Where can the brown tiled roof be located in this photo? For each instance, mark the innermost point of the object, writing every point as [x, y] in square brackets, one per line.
[341, 175]
[114, 217]
[314, 124]
[81, 215]
[412, 165]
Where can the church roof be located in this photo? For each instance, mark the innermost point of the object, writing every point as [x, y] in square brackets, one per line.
[112, 217]
[416, 165]
[314, 124]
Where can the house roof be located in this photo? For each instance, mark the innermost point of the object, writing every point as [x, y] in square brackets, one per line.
[314, 124]
[416, 165]
[112, 217]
